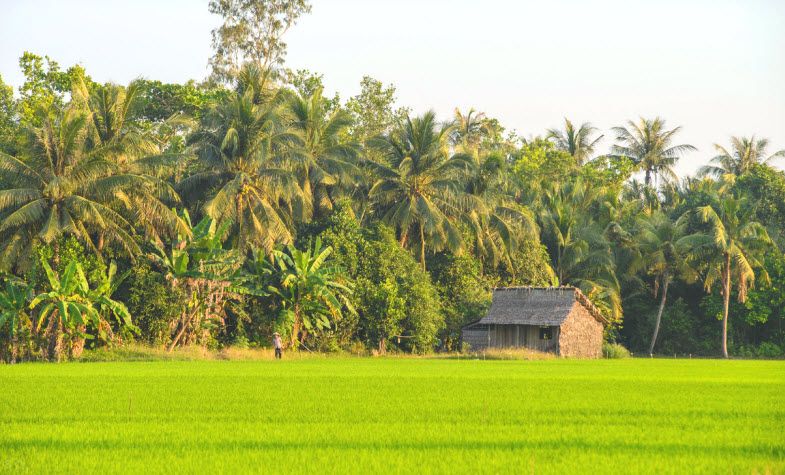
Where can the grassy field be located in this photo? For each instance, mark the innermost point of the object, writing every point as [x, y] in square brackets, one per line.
[392, 415]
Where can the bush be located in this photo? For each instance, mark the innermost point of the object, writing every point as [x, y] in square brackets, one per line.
[614, 351]
[357, 348]
[153, 303]
[464, 293]
[412, 298]
[768, 350]
[744, 351]
[59, 254]
[532, 266]
[392, 294]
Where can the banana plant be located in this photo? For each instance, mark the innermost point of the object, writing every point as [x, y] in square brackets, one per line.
[200, 267]
[255, 277]
[311, 292]
[15, 321]
[70, 308]
[199, 252]
[109, 308]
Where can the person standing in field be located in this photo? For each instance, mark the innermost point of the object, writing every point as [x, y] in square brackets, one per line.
[277, 345]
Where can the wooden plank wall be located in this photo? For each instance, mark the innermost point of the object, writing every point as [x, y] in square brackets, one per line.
[522, 336]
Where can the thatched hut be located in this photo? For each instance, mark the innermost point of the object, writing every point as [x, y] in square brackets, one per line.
[559, 320]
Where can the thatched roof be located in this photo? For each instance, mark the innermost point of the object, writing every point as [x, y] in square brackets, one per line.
[543, 306]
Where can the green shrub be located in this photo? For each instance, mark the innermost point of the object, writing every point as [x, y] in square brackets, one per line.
[614, 351]
[59, 254]
[153, 303]
[393, 295]
[384, 261]
[464, 294]
[532, 266]
[357, 348]
[768, 350]
[744, 351]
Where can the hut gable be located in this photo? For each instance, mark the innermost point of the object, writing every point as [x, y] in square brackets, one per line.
[581, 334]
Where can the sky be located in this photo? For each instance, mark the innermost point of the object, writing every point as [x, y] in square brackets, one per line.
[716, 68]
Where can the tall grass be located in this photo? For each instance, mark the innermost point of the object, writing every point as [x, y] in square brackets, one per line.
[615, 351]
[136, 352]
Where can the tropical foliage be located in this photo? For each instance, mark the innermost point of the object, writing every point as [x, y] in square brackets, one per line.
[309, 290]
[345, 223]
[71, 312]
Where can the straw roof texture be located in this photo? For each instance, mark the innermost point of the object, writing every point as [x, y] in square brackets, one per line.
[543, 306]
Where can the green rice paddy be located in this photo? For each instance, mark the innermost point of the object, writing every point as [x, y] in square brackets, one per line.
[393, 415]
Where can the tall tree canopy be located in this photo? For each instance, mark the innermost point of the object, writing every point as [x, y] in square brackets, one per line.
[252, 30]
[579, 142]
[650, 145]
[744, 153]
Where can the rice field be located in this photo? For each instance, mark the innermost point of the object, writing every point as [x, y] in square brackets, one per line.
[361, 415]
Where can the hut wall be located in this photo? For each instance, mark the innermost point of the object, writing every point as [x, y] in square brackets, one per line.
[480, 337]
[580, 335]
[476, 336]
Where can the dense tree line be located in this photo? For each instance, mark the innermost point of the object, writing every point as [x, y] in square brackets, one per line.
[216, 213]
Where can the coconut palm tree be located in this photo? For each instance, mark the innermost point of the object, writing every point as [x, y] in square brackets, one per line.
[563, 212]
[112, 118]
[62, 186]
[579, 142]
[666, 248]
[418, 191]
[738, 242]
[245, 148]
[650, 146]
[138, 158]
[745, 152]
[329, 163]
[579, 249]
[645, 197]
[497, 222]
[468, 130]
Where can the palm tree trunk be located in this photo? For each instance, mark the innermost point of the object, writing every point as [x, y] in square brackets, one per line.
[295, 335]
[308, 191]
[239, 211]
[666, 281]
[56, 252]
[404, 237]
[726, 304]
[422, 246]
[647, 178]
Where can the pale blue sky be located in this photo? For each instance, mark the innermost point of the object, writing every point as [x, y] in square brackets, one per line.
[715, 67]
